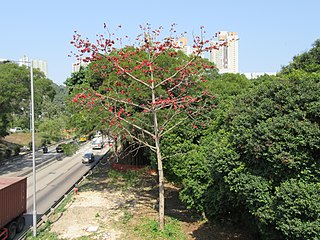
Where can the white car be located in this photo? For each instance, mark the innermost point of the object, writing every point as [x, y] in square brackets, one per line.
[97, 143]
[15, 130]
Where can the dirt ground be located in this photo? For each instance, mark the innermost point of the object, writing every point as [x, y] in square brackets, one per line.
[105, 209]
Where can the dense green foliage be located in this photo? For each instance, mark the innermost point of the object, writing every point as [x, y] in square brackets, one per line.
[14, 85]
[15, 97]
[258, 159]
[258, 162]
[70, 148]
[186, 161]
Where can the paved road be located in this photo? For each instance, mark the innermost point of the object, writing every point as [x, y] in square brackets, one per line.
[53, 177]
[22, 165]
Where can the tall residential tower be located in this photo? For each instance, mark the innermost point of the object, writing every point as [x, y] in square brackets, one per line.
[40, 64]
[226, 53]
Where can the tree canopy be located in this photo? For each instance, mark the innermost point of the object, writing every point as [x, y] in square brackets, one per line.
[258, 161]
[144, 90]
[15, 95]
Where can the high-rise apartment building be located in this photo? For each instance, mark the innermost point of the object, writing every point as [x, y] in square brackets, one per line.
[226, 54]
[40, 64]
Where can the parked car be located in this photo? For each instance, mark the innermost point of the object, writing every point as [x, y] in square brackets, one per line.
[88, 157]
[16, 130]
[59, 148]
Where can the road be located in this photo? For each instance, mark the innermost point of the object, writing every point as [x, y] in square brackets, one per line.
[53, 177]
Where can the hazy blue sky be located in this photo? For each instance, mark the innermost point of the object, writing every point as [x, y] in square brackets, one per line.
[271, 32]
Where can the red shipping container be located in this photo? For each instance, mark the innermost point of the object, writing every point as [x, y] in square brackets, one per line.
[13, 198]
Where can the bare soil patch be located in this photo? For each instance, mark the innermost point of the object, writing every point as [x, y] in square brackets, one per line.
[106, 208]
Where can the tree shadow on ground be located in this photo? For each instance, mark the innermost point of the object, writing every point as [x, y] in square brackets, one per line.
[211, 230]
[176, 209]
[193, 223]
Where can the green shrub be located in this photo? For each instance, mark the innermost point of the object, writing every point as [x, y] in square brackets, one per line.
[297, 208]
[45, 141]
[69, 148]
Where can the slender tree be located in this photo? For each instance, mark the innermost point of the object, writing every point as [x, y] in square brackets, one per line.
[145, 89]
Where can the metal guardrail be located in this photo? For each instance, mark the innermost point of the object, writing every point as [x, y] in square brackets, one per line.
[50, 211]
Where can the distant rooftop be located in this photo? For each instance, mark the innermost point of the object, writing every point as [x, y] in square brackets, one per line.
[254, 75]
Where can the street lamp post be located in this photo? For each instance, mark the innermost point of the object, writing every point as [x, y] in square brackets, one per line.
[33, 153]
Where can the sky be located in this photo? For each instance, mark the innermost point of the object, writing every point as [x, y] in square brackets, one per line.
[271, 32]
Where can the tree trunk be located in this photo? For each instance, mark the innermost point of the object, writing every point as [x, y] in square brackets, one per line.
[159, 158]
[161, 187]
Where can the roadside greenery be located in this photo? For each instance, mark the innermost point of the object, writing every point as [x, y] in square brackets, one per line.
[49, 100]
[15, 97]
[256, 158]
[139, 90]
[148, 229]
[258, 162]
[70, 148]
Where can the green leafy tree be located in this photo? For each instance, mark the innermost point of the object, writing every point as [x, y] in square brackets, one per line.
[14, 87]
[15, 95]
[272, 141]
[308, 61]
[185, 150]
[77, 78]
[52, 129]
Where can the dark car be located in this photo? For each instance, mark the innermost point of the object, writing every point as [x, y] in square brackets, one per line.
[45, 149]
[88, 157]
[59, 148]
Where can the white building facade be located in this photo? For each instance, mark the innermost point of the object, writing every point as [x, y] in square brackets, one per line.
[254, 75]
[40, 64]
[225, 53]
[76, 66]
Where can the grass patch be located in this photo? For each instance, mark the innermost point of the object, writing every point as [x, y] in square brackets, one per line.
[149, 229]
[43, 233]
[126, 178]
[23, 139]
[11, 144]
[132, 221]
[127, 216]
[62, 207]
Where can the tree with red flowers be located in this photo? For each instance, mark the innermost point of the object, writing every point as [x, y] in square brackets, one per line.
[145, 89]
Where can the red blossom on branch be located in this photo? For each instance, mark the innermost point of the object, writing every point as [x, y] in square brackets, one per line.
[145, 80]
